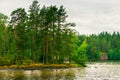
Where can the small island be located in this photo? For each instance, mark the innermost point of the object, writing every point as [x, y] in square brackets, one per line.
[39, 38]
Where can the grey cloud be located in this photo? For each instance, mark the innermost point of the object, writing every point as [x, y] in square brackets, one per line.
[90, 16]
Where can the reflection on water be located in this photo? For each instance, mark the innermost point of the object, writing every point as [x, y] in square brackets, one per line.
[54, 74]
[94, 71]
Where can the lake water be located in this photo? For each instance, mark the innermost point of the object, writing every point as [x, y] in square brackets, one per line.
[94, 71]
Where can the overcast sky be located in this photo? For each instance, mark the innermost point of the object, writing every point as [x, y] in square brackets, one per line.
[90, 16]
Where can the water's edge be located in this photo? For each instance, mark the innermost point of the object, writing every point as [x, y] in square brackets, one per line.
[93, 71]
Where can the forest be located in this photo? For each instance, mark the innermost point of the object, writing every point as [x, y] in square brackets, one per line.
[103, 43]
[43, 35]
[39, 35]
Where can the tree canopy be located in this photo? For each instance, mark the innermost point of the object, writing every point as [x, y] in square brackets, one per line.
[41, 35]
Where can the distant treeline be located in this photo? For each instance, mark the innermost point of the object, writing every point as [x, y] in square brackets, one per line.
[103, 43]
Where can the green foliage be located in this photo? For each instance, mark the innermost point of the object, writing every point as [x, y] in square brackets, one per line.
[2, 61]
[104, 42]
[81, 56]
[6, 59]
[114, 54]
[40, 36]
[24, 62]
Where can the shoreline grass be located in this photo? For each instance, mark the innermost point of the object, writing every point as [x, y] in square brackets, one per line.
[40, 66]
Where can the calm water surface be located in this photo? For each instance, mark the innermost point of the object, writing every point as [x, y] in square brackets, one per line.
[94, 71]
